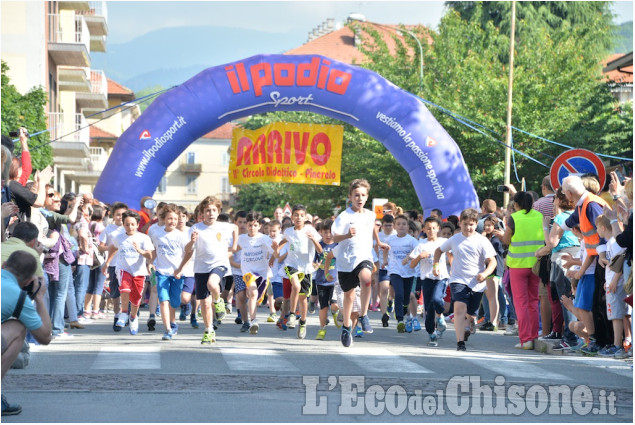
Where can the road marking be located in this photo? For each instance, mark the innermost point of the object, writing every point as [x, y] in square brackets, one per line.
[514, 368]
[128, 357]
[615, 366]
[380, 360]
[256, 359]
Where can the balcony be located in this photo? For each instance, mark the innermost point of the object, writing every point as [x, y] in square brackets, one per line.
[74, 5]
[98, 159]
[74, 79]
[97, 43]
[97, 98]
[96, 18]
[191, 167]
[70, 136]
[69, 40]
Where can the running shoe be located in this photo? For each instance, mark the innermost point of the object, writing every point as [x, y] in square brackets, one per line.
[433, 342]
[579, 346]
[311, 307]
[621, 354]
[121, 321]
[282, 324]
[208, 337]
[9, 409]
[551, 335]
[527, 345]
[194, 322]
[489, 327]
[409, 325]
[391, 306]
[245, 326]
[182, 315]
[134, 326]
[561, 346]
[151, 323]
[384, 320]
[401, 327]
[609, 351]
[272, 318]
[592, 349]
[239, 319]
[115, 326]
[174, 328]
[460, 346]
[339, 321]
[416, 326]
[291, 321]
[219, 309]
[358, 332]
[167, 335]
[302, 331]
[321, 334]
[366, 327]
[512, 330]
[336, 321]
[441, 326]
[253, 328]
[346, 337]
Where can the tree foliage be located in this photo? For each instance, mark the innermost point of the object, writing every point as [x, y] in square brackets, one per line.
[26, 111]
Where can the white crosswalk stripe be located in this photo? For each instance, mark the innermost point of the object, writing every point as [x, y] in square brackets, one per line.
[615, 366]
[256, 359]
[380, 360]
[128, 357]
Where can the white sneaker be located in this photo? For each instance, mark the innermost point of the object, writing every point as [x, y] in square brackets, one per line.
[122, 319]
[134, 326]
[83, 321]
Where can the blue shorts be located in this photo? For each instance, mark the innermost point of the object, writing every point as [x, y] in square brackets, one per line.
[169, 289]
[383, 275]
[202, 291]
[113, 285]
[277, 289]
[189, 285]
[584, 292]
[464, 294]
[239, 284]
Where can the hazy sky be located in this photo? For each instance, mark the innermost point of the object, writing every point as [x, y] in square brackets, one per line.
[127, 19]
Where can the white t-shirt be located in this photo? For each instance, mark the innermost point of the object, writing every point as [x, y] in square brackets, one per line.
[378, 254]
[425, 265]
[399, 249]
[188, 269]
[128, 259]
[254, 254]
[153, 228]
[275, 268]
[470, 255]
[301, 248]
[107, 237]
[352, 251]
[612, 249]
[281, 274]
[170, 248]
[211, 247]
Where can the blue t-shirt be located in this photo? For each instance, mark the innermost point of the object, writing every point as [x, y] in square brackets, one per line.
[10, 294]
[320, 277]
[568, 239]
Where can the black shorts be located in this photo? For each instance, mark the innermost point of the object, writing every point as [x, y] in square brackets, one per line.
[325, 295]
[201, 279]
[305, 284]
[462, 293]
[228, 282]
[350, 280]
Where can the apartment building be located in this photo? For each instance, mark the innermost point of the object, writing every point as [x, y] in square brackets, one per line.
[48, 44]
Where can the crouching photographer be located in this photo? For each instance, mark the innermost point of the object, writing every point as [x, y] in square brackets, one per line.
[23, 308]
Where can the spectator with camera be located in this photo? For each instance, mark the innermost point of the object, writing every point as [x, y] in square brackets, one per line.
[20, 314]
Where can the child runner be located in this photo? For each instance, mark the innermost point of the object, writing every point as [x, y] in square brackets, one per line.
[169, 245]
[433, 286]
[354, 230]
[304, 242]
[255, 252]
[106, 240]
[493, 291]
[276, 280]
[474, 260]
[401, 274]
[189, 304]
[234, 280]
[325, 287]
[210, 240]
[151, 280]
[387, 230]
[285, 285]
[133, 248]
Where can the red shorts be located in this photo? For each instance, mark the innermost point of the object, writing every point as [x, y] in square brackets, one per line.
[448, 295]
[286, 288]
[132, 285]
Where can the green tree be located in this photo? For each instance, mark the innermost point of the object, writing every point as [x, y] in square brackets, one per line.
[26, 111]
[143, 105]
[558, 91]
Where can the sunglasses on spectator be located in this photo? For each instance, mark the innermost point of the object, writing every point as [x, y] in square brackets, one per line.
[50, 195]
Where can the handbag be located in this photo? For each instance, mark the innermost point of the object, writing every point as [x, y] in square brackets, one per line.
[617, 262]
[98, 257]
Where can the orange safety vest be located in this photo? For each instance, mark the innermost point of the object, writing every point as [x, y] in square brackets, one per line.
[588, 229]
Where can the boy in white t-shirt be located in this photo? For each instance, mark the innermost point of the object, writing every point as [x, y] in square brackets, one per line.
[386, 295]
[474, 259]
[210, 240]
[169, 243]
[401, 275]
[354, 230]
[304, 242]
[275, 234]
[255, 251]
[132, 248]
[106, 240]
[433, 287]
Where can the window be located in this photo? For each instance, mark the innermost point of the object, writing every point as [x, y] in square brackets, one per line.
[191, 158]
[225, 186]
[225, 159]
[190, 185]
[163, 185]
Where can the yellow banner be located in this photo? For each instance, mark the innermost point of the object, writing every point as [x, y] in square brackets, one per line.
[287, 153]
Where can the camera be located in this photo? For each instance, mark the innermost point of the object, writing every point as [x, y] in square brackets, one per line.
[502, 188]
[17, 133]
[31, 289]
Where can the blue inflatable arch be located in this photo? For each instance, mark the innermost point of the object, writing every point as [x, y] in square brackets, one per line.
[268, 83]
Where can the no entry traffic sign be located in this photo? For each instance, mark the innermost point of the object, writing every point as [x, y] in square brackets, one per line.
[576, 161]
